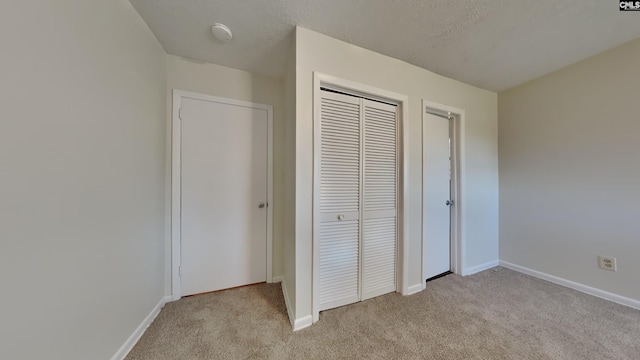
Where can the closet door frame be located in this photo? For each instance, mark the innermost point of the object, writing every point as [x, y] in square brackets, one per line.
[402, 262]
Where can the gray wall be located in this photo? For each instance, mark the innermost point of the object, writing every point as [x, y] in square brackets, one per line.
[82, 153]
[570, 171]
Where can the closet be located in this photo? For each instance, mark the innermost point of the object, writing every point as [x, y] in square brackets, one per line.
[358, 191]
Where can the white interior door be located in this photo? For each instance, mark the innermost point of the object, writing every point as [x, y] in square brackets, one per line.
[436, 191]
[223, 182]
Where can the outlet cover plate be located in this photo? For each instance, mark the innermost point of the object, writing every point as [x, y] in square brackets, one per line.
[607, 263]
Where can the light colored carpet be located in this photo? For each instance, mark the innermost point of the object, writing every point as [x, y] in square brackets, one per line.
[496, 314]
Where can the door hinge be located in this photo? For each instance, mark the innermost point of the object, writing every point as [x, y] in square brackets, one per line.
[180, 113]
[180, 271]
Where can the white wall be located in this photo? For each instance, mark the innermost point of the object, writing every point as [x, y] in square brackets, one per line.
[317, 52]
[290, 180]
[82, 130]
[570, 174]
[216, 80]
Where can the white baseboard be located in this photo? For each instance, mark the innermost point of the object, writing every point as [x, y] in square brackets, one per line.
[414, 289]
[137, 333]
[303, 322]
[287, 303]
[277, 279]
[574, 285]
[482, 267]
[296, 324]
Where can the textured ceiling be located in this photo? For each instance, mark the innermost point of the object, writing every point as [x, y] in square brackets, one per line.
[493, 44]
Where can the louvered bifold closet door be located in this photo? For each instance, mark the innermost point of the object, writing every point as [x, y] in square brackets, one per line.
[379, 199]
[339, 226]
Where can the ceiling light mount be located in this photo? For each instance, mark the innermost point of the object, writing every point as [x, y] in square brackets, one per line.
[221, 32]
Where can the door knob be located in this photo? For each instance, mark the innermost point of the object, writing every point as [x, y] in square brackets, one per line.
[261, 205]
[449, 203]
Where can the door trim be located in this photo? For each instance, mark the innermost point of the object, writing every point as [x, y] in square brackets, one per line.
[371, 92]
[176, 221]
[457, 136]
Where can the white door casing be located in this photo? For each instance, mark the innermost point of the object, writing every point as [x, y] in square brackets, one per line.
[221, 172]
[436, 192]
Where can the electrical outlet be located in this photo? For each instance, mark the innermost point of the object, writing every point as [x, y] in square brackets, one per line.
[607, 263]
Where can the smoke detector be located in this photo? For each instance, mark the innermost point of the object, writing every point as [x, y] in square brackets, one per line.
[221, 32]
